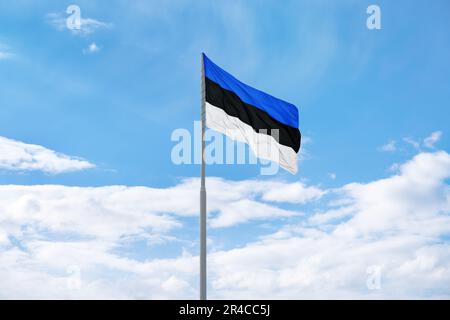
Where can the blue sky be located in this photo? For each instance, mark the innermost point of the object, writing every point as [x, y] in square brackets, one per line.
[115, 108]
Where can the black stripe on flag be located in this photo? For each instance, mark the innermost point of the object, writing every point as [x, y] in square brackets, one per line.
[251, 115]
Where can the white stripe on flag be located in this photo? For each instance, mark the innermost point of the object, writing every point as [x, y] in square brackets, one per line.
[264, 146]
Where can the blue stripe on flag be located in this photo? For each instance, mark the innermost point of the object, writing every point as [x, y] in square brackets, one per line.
[280, 110]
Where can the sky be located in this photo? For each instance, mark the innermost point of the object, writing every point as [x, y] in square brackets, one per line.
[92, 205]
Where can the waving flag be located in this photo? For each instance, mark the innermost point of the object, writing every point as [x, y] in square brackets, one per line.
[267, 124]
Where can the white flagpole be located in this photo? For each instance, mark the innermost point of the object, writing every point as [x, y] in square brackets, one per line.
[203, 195]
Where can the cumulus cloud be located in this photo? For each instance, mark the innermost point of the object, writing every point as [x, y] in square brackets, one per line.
[416, 200]
[16, 155]
[107, 212]
[120, 210]
[293, 193]
[244, 210]
[241, 201]
[46, 229]
[398, 225]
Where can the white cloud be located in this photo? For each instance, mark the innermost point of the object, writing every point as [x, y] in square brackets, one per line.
[92, 48]
[401, 202]
[117, 212]
[400, 223]
[415, 144]
[244, 210]
[105, 212]
[16, 155]
[332, 175]
[331, 215]
[296, 192]
[45, 229]
[87, 25]
[388, 147]
[234, 202]
[431, 140]
[241, 201]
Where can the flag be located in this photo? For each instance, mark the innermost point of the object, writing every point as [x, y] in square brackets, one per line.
[267, 124]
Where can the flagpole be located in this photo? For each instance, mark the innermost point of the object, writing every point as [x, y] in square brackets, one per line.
[203, 195]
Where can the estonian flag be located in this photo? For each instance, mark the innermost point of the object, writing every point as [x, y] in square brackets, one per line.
[248, 115]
